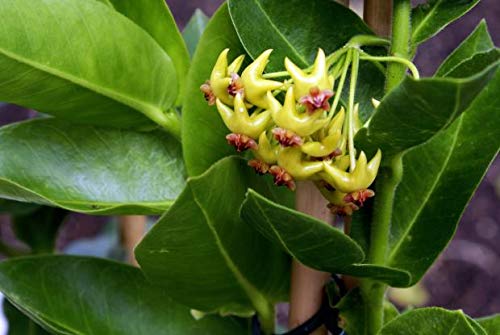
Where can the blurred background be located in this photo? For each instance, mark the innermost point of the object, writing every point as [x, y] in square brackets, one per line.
[466, 275]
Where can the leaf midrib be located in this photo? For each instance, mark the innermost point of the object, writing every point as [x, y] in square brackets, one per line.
[251, 291]
[426, 18]
[395, 249]
[139, 105]
[112, 205]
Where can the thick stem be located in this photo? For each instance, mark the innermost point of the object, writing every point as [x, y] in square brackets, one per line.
[400, 46]
[373, 292]
[132, 229]
[306, 291]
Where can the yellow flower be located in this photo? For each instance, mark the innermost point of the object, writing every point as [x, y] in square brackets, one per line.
[318, 78]
[291, 160]
[222, 76]
[288, 117]
[240, 122]
[360, 178]
[266, 152]
[329, 143]
[256, 87]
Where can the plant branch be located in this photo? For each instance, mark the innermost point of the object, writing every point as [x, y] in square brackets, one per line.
[400, 46]
[132, 229]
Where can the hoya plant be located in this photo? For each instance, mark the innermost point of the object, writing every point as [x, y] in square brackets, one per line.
[296, 156]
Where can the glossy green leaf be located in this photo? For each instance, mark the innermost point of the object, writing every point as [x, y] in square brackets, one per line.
[206, 256]
[156, 19]
[70, 295]
[20, 324]
[313, 242]
[203, 132]
[89, 169]
[439, 179]
[431, 17]
[39, 228]
[491, 324]
[431, 321]
[478, 41]
[289, 33]
[353, 313]
[416, 110]
[477, 62]
[194, 29]
[83, 61]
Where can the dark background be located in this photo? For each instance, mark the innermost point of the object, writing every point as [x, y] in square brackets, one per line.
[467, 274]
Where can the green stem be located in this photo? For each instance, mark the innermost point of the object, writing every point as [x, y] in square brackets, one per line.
[350, 112]
[340, 87]
[401, 32]
[368, 40]
[373, 292]
[266, 318]
[394, 59]
[170, 121]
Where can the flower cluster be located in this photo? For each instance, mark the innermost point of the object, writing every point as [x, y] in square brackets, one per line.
[297, 135]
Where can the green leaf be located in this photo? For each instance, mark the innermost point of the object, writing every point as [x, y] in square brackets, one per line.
[81, 295]
[156, 19]
[431, 321]
[416, 110]
[206, 256]
[194, 29]
[430, 18]
[288, 33]
[439, 179]
[478, 41]
[353, 314]
[39, 229]
[491, 324]
[313, 242]
[477, 62]
[83, 61]
[203, 132]
[89, 169]
[20, 324]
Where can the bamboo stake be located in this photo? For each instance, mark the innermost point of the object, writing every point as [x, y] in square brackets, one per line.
[307, 285]
[132, 229]
[377, 14]
[306, 289]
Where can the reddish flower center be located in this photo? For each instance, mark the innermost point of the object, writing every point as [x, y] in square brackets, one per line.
[259, 166]
[241, 142]
[287, 138]
[208, 93]
[316, 100]
[359, 197]
[343, 210]
[235, 86]
[281, 177]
